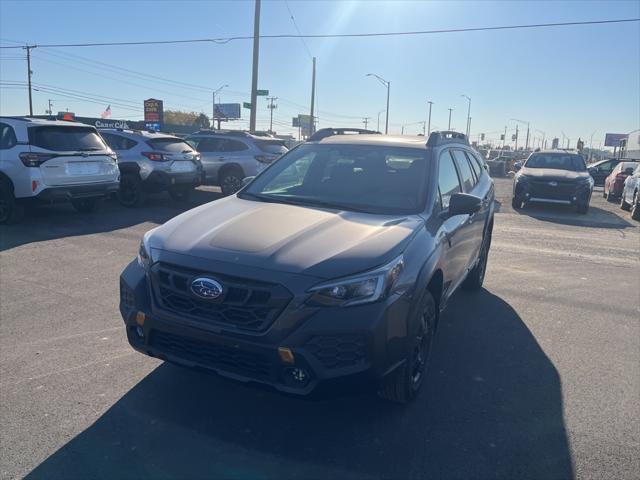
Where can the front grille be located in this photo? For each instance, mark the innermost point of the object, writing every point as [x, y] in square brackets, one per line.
[562, 191]
[335, 351]
[245, 304]
[127, 301]
[210, 355]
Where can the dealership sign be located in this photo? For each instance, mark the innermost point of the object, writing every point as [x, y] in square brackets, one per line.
[111, 124]
[613, 139]
[153, 111]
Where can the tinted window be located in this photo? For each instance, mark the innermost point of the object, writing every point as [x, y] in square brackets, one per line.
[607, 166]
[559, 161]
[233, 146]
[448, 180]
[171, 145]
[66, 139]
[208, 144]
[7, 137]
[466, 175]
[117, 142]
[349, 177]
[475, 164]
[271, 146]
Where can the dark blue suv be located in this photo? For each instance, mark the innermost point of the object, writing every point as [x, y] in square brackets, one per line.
[333, 263]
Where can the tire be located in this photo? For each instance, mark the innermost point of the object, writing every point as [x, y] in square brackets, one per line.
[623, 204]
[403, 384]
[231, 181]
[516, 203]
[582, 208]
[86, 205]
[10, 211]
[475, 278]
[635, 208]
[181, 194]
[131, 193]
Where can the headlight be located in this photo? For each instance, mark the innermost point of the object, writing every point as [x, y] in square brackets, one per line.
[364, 288]
[144, 251]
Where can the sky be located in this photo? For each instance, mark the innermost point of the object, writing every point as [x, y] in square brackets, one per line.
[577, 81]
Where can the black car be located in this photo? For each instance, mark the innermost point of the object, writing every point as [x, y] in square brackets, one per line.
[602, 169]
[556, 176]
[333, 263]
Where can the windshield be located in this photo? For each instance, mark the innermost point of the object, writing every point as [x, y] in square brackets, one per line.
[373, 179]
[66, 139]
[172, 145]
[556, 161]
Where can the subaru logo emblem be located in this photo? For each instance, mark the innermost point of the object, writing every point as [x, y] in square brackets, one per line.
[206, 288]
[553, 184]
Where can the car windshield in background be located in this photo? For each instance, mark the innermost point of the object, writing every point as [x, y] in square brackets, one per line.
[348, 177]
[66, 139]
[556, 161]
[172, 145]
[271, 146]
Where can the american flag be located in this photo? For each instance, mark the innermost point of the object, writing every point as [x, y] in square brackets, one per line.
[106, 113]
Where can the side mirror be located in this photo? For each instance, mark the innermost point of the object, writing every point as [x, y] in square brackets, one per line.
[464, 204]
[247, 180]
[517, 166]
[629, 171]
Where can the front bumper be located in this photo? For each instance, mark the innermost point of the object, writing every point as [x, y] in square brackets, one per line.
[357, 345]
[71, 192]
[565, 193]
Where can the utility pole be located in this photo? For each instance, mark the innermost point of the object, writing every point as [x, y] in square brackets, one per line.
[504, 137]
[527, 142]
[313, 97]
[50, 111]
[365, 120]
[468, 127]
[516, 149]
[254, 75]
[468, 115]
[449, 127]
[271, 107]
[29, 73]
[429, 127]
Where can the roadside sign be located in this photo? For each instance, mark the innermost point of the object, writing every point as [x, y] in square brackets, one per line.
[295, 122]
[153, 111]
[613, 139]
[262, 93]
[230, 111]
[305, 124]
[246, 105]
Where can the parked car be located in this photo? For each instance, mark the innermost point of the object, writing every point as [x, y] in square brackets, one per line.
[153, 162]
[630, 198]
[614, 183]
[44, 160]
[230, 156]
[340, 272]
[602, 169]
[554, 176]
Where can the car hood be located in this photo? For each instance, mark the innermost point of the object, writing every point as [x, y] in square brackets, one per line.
[317, 242]
[553, 174]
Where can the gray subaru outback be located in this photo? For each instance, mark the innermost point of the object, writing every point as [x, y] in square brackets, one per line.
[333, 263]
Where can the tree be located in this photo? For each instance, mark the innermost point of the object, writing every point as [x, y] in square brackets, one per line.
[201, 121]
[177, 117]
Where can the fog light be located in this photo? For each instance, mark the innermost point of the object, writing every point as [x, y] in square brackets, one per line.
[286, 355]
[140, 332]
[140, 318]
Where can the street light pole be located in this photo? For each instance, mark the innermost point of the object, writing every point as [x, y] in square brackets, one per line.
[449, 127]
[468, 114]
[388, 85]
[429, 127]
[213, 97]
[591, 146]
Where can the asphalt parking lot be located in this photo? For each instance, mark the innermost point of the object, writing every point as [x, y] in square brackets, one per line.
[536, 376]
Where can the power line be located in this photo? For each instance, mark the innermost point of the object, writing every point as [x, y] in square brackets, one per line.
[293, 20]
[223, 40]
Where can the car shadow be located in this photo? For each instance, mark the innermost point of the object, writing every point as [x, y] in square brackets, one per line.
[596, 217]
[48, 222]
[491, 408]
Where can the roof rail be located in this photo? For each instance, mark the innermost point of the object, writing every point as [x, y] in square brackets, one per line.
[440, 138]
[232, 133]
[329, 132]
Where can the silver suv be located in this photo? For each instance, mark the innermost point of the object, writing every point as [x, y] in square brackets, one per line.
[230, 156]
[153, 162]
[50, 161]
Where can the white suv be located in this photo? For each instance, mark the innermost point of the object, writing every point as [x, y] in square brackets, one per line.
[50, 161]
